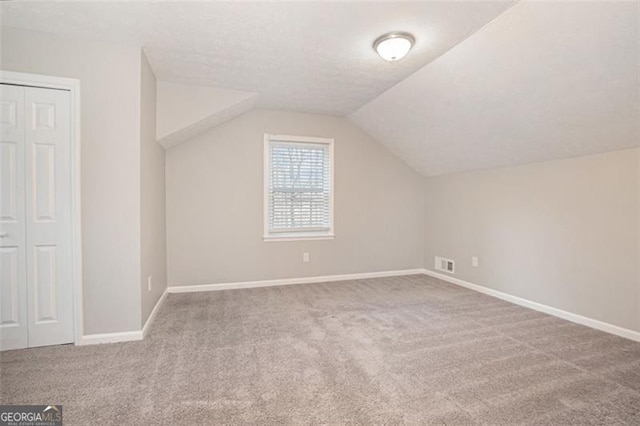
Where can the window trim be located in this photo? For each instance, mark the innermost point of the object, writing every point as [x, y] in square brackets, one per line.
[304, 234]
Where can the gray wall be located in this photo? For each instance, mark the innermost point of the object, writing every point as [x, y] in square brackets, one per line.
[109, 76]
[561, 233]
[215, 205]
[152, 202]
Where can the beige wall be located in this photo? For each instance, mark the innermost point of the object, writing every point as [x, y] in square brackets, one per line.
[215, 210]
[561, 233]
[109, 76]
[152, 202]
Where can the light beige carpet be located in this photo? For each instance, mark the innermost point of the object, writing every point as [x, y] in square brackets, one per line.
[407, 350]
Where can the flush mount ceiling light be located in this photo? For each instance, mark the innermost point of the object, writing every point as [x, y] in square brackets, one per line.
[393, 46]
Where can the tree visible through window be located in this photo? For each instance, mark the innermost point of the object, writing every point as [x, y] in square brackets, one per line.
[298, 187]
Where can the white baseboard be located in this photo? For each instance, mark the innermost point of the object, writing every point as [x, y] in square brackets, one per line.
[124, 336]
[129, 336]
[569, 316]
[291, 281]
[153, 313]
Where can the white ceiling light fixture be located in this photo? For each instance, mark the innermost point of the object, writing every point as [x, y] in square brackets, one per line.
[394, 46]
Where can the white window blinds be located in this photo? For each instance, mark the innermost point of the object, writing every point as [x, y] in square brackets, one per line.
[298, 186]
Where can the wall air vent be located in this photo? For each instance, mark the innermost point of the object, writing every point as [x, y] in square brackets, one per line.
[445, 265]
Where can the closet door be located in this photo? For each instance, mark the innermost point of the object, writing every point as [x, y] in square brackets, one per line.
[48, 216]
[13, 289]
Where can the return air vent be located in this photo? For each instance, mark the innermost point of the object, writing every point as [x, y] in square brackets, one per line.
[445, 265]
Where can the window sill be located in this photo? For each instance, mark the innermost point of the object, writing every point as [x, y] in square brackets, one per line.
[298, 236]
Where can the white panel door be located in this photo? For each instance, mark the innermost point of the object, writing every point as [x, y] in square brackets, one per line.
[48, 216]
[13, 290]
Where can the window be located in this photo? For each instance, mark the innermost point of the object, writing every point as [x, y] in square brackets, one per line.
[298, 193]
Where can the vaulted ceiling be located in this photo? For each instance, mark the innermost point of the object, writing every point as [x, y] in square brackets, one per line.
[308, 56]
[544, 81]
[488, 83]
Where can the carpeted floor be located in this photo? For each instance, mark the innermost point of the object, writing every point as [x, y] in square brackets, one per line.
[405, 350]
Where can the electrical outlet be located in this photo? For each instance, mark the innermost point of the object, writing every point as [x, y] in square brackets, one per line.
[305, 257]
[149, 283]
[474, 262]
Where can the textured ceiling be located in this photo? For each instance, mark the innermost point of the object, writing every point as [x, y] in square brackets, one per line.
[543, 81]
[312, 56]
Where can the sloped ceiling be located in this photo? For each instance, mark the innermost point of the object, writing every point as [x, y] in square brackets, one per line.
[305, 56]
[486, 85]
[543, 81]
[184, 110]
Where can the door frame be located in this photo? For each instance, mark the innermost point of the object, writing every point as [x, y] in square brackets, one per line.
[73, 86]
